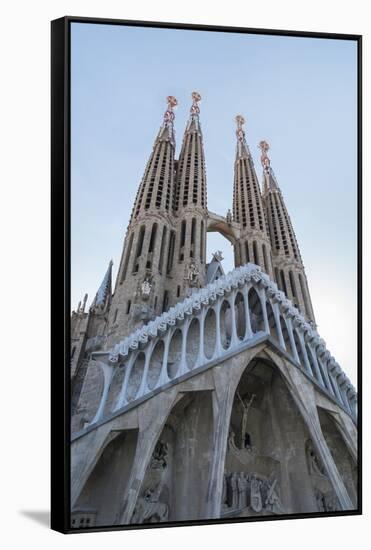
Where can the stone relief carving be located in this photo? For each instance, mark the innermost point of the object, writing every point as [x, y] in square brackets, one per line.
[231, 441]
[252, 491]
[218, 256]
[326, 502]
[314, 466]
[192, 275]
[245, 405]
[256, 501]
[149, 508]
[324, 493]
[159, 456]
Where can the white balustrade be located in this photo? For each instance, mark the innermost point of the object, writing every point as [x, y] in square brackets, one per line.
[175, 323]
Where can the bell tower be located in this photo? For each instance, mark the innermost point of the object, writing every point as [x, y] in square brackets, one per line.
[248, 210]
[190, 209]
[288, 266]
[148, 249]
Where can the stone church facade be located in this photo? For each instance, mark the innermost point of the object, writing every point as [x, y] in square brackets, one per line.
[197, 394]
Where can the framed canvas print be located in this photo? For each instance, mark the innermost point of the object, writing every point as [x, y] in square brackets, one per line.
[206, 274]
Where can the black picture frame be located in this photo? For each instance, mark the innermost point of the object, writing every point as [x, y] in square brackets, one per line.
[60, 264]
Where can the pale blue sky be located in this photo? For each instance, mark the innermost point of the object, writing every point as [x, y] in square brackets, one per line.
[297, 93]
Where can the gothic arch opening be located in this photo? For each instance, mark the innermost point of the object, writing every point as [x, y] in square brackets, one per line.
[175, 483]
[299, 348]
[102, 494]
[193, 343]
[209, 333]
[312, 365]
[272, 323]
[155, 364]
[92, 390]
[286, 337]
[240, 315]
[135, 376]
[218, 241]
[266, 470]
[175, 352]
[114, 389]
[256, 311]
[225, 324]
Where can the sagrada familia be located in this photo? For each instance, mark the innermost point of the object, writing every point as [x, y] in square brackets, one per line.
[197, 394]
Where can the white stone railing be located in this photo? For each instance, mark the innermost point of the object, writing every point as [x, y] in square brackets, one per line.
[217, 321]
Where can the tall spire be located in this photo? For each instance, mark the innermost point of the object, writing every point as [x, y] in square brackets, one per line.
[269, 179]
[155, 190]
[254, 244]
[167, 128]
[191, 174]
[287, 262]
[242, 149]
[247, 203]
[190, 205]
[148, 250]
[103, 296]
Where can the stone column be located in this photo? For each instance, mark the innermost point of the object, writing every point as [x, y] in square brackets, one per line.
[151, 423]
[307, 406]
[222, 406]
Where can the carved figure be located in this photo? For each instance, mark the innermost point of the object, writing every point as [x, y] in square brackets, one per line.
[313, 462]
[192, 274]
[159, 456]
[255, 494]
[224, 493]
[273, 502]
[245, 406]
[331, 502]
[149, 509]
[218, 255]
[231, 441]
[229, 216]
[233, 491]
[146, 288]
[242, 490]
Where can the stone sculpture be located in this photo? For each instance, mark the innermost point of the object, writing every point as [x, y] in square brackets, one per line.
[149, 509]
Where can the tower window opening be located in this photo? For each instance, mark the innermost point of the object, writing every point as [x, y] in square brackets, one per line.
[283, 282]
[165, 301]
[151, 246]
[247, 252]
[193, 237]
[162, 249]
[277, 277]
[139, 248]
[305, 295]
[182, 240]
[255, 252]
[128, 307]
[170, 258]
[292, 283]
[202, 241]
[127, 258]
[265, 256]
